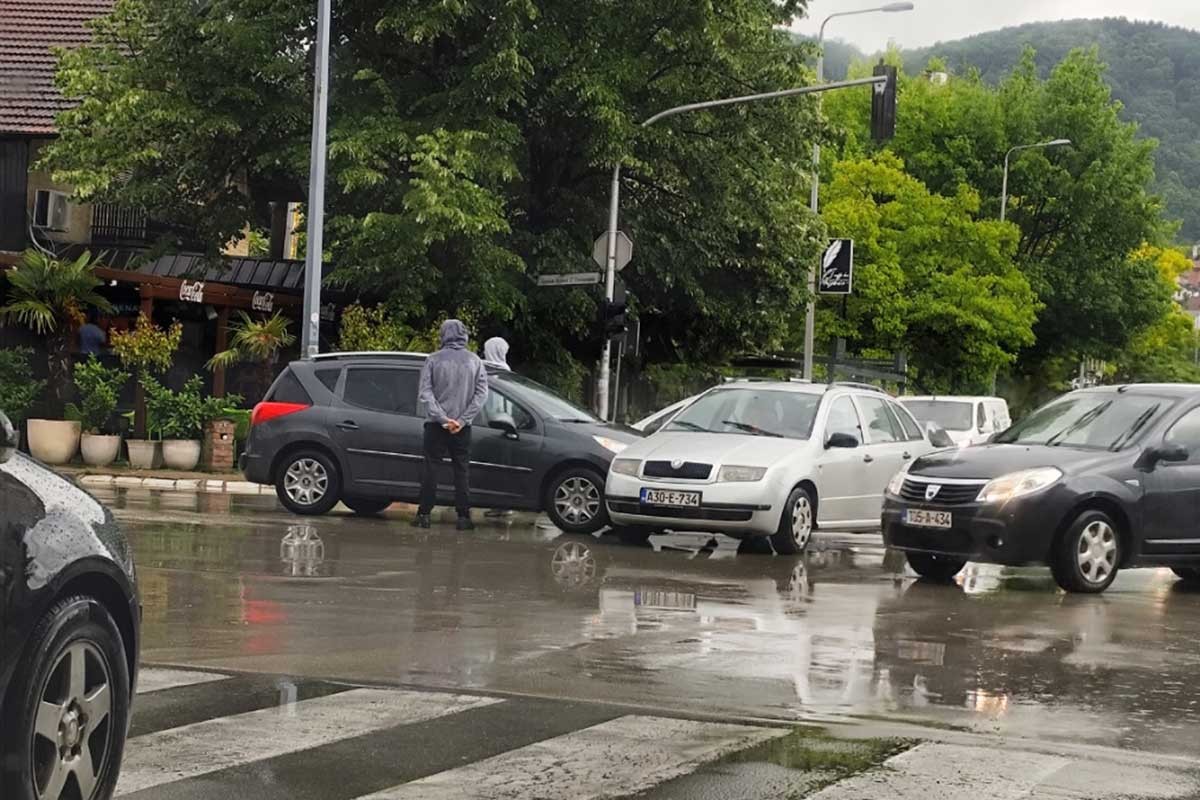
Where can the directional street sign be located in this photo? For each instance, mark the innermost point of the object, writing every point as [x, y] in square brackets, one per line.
[569, 279]
[624, 250]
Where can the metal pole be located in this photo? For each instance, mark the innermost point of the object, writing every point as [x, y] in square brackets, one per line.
[310, 332]
[810, 309]
[616, 398]
[610, 281]
[1004, 186]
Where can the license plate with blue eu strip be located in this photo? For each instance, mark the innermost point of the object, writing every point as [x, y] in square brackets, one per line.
[669, 497]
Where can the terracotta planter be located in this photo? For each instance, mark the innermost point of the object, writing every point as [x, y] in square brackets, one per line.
[99, 451]
[183, 454]
[53, 441]
[144, 453]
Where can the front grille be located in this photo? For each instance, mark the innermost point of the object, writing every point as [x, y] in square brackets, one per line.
[670, 512]
[950, 494]
[690, 471]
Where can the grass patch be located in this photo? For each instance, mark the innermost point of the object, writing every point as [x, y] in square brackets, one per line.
[932, 724]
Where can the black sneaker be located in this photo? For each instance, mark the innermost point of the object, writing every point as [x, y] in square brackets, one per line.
[465, 524]
[421, 521]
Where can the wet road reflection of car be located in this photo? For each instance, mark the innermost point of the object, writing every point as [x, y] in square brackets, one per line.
[69, 637]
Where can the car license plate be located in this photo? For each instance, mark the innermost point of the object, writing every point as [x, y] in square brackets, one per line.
[667, 497]
[683, 601]
[920, 518]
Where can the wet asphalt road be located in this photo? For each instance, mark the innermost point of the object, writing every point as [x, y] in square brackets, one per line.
[679, 627]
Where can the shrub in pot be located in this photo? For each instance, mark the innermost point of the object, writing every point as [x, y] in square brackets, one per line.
[18, 389]
[180, 417]
[99, 390]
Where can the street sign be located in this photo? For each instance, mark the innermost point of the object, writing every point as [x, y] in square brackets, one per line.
[837, 267]
[569, 279]
[624, 250]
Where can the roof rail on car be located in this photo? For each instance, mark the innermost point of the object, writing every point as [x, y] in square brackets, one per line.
[369, 354]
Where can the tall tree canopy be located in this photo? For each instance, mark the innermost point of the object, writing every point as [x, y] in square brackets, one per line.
[470, 149]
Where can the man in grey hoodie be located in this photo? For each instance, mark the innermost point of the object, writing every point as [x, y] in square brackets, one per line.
[454, 387]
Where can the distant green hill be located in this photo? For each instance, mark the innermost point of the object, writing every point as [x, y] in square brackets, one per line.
[1154, 69]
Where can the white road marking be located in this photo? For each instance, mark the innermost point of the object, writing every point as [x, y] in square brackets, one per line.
[155, 680]
[613, 759]
[217, 744]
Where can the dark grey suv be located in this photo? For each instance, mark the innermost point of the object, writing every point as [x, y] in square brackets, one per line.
[347, 426]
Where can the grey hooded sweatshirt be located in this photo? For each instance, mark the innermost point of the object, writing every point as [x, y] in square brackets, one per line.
[495, 352]
[454, 382]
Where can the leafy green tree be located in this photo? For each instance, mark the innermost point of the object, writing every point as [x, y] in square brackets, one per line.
[18, 389]
[470, 149]
[99, 390]
[365, 329]
[147, 350]
[930, 277]
[50, 297]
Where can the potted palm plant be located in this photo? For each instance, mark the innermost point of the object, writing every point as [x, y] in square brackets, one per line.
[49, 297]
[18, 389]
[99, 390]
[257, 341]
[145, 351]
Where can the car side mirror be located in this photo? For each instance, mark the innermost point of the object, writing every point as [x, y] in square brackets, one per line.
[841, 439]
[938, 436]
[1167, 452]
[8, 439]
[504, 422]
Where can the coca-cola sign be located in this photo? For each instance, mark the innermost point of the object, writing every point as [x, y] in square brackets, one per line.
[192, 292]
[263, 301]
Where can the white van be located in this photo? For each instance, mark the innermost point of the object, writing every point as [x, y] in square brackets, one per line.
[968, 420]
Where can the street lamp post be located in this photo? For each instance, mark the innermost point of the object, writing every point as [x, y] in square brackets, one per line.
[1011, 150]
[810, 315]
[614, 200]
[310, 325]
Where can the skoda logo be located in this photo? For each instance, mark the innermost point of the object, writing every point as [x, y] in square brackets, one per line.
[677, 464]
[931, 491]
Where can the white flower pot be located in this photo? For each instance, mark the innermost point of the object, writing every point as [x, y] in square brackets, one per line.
[99, 451]
[53, 441]
[181, 454]
[144, 453]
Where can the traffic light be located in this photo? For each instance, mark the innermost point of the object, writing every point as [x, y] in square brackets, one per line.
[883, 104]
[612, 318]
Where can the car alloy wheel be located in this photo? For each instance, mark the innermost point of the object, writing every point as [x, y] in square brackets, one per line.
[1096, 551]
[795, 523]
[73, 734]
[577, 500]
[306, 481]
[573, 565]
[802, 521]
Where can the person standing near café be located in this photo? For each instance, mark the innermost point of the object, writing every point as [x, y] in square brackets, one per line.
[453, 389]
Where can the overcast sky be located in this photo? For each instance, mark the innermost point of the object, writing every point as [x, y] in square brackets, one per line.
[943, 20]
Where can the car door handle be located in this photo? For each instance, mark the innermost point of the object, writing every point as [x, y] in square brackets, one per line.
[868, 458]
[348, 425]
[907, 455]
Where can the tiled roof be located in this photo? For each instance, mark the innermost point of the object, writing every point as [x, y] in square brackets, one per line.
[28, 29]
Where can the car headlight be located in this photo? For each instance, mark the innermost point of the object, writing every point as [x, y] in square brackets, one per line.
[626, 466]
[741, 474]
[1018, 484]
[612, 445]
[897, 482]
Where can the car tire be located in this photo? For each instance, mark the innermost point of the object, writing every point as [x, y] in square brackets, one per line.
[366, 506]
[1189, 576]
[574, 500]
[77, 630]
[1087, 557]
[308, 483]
[935, 568]
[795, 524]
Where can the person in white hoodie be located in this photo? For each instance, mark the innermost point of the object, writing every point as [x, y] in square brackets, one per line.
[495, 352]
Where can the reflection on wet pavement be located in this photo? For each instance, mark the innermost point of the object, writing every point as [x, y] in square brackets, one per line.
[689, 623]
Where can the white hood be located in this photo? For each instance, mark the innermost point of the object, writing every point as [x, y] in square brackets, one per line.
[716, 448]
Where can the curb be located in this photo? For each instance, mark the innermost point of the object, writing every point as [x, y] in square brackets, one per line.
[171, 485]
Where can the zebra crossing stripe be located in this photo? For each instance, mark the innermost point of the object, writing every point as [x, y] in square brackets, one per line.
[621, 757]
[217, 744]
[156, 680]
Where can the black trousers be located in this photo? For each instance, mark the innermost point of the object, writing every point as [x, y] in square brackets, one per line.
[438, 443]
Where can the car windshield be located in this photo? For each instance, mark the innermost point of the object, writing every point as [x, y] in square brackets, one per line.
[1106, 421]
[755, 412]
[547, 402]
[953, 415]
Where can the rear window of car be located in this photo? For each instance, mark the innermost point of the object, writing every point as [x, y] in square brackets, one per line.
[288, 390]
[391, 390]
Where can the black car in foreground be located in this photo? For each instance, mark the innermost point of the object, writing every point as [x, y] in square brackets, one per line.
[69, 626]
[1099, 480]
[347, 426]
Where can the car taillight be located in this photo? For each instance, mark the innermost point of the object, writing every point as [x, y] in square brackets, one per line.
[267, 411]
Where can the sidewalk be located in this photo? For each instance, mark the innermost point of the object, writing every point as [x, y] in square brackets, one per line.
[165, 480]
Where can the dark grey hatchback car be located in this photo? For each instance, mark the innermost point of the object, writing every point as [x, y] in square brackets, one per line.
[1094, 482]
[347, 426]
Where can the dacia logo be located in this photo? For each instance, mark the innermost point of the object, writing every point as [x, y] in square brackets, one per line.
[931, 491]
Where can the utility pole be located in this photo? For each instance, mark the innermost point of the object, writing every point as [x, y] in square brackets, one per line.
[1011, 150]
[614, 202]
[310, 326]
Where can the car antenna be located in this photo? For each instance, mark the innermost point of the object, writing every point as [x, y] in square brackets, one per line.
[1123, 388]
